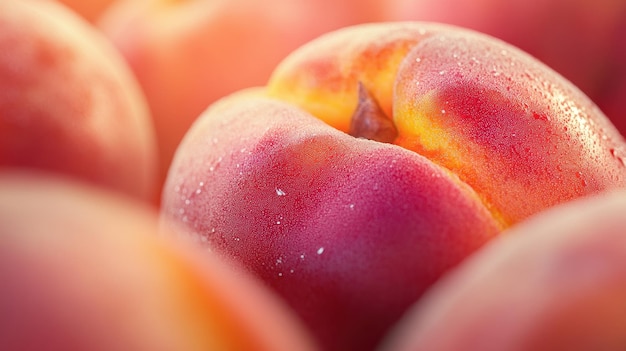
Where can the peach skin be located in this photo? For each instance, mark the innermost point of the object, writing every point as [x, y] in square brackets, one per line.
[69, 103]
[91, 273]
[187, 54]
[377, 158]
[555, 282]
[584, 40]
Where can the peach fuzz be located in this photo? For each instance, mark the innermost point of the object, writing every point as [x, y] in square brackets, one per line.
[519, 134]
[84, 270]
[554, 282]
[187, 54]
[583, 40]
[69, 103]
[347, 188]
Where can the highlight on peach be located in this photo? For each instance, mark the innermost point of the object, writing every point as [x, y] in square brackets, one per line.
[311, 175]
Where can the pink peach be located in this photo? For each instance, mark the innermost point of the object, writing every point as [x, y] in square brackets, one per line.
[68, 102]
[377, 158]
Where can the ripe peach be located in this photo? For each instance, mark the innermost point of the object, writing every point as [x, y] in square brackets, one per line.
[83, 270]
[468, 135]
[583, 40]
[555, 282]
[69, 103]
[187, 54]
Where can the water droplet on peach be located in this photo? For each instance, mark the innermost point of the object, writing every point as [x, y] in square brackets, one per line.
[619, 155]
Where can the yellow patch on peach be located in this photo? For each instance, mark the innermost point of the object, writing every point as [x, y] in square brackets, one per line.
[323, 78]
[421, 129]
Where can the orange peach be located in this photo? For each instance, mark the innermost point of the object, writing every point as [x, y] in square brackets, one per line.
[555, 282]
[187, 54]
[69, 103]
[377, 158]
[84, 270]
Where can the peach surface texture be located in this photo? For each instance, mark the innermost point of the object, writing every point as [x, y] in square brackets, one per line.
[584, 40]
[376, 159]
[555, 282]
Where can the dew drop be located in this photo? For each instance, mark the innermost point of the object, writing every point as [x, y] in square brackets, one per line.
[418, 60]
[320, 251]
[617, 154]
[280, 192]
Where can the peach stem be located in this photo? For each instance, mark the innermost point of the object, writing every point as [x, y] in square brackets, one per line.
[369, 121]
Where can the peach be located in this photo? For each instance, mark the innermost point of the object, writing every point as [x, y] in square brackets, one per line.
[187, 54]
[583, 40]
[493, 115]
[555, 282]
[69, 103]
[377, 158]
[84, 270]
